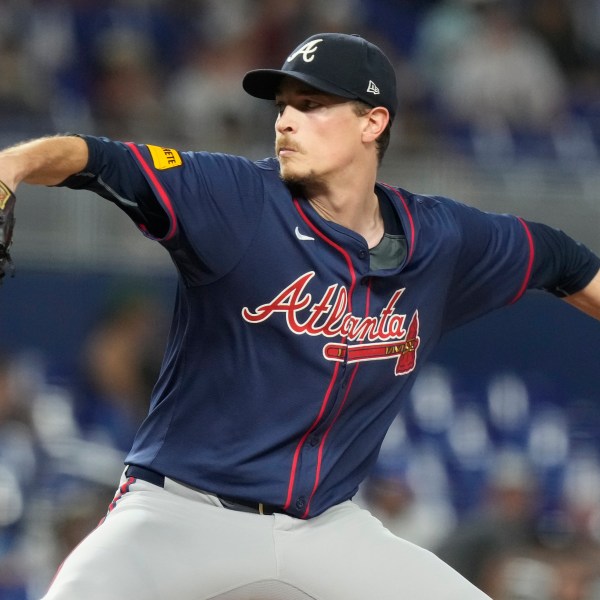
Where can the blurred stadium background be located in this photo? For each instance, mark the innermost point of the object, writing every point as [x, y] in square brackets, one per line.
[495, 463]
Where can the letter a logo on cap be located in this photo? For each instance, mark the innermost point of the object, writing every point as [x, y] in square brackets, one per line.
[307, 51]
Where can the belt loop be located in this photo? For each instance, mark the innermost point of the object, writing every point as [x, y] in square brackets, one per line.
[261, 508]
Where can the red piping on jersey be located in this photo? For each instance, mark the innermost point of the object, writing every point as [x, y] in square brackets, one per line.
[161, 192]
[327, 396]
[331, 243]
[523, 288]
[410, 219]
[322, 445]
[305, 437]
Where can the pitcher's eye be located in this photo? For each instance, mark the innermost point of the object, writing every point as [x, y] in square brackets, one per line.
[309, 105]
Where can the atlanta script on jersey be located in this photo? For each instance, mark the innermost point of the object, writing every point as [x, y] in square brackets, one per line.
[288, 357]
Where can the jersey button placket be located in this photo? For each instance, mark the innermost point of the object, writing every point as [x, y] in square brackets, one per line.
[314, 440]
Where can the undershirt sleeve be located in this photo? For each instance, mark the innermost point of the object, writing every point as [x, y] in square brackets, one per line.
[562, 266]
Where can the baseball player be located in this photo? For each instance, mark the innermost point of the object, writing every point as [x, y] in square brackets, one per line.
[309, 295]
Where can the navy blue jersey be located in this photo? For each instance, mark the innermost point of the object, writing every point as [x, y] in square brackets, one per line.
[288, 357]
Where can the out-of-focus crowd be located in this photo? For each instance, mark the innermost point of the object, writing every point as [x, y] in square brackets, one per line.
[493, 475]
[489, 76]
[63, 441]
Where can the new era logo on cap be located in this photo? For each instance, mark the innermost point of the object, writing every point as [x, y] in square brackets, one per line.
[335, 63]
[372, 89]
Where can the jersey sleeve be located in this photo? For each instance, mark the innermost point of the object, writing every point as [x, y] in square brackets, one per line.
[562, 266]
[214, 201]
[493, 264]
[112, 174]
[503, 256]
[202, 207]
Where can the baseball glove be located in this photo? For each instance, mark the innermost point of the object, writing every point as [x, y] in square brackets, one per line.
[7, 225]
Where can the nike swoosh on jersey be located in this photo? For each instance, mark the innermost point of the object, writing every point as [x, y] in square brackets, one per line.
[303, 237]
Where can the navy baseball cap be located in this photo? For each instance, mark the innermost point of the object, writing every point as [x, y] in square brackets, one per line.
[336, 63]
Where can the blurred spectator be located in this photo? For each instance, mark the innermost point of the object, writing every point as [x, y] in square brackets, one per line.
[205, 100]
[121, 358]
[586, 15]
[81, 509]
[423, 519]
[504, 76]
[18, 471]
[20, 97]
[546, 575]
[577, 573]
[440, 38]
[522, 577]
[55, 63]
[586, 101]
[408, 489]
[505, 525]
[581, 498]
[553, 21]
[126, 96]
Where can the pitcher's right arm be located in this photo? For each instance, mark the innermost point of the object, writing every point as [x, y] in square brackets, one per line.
[43, 161]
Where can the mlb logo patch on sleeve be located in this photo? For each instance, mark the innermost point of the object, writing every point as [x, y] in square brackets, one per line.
[164, 158]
